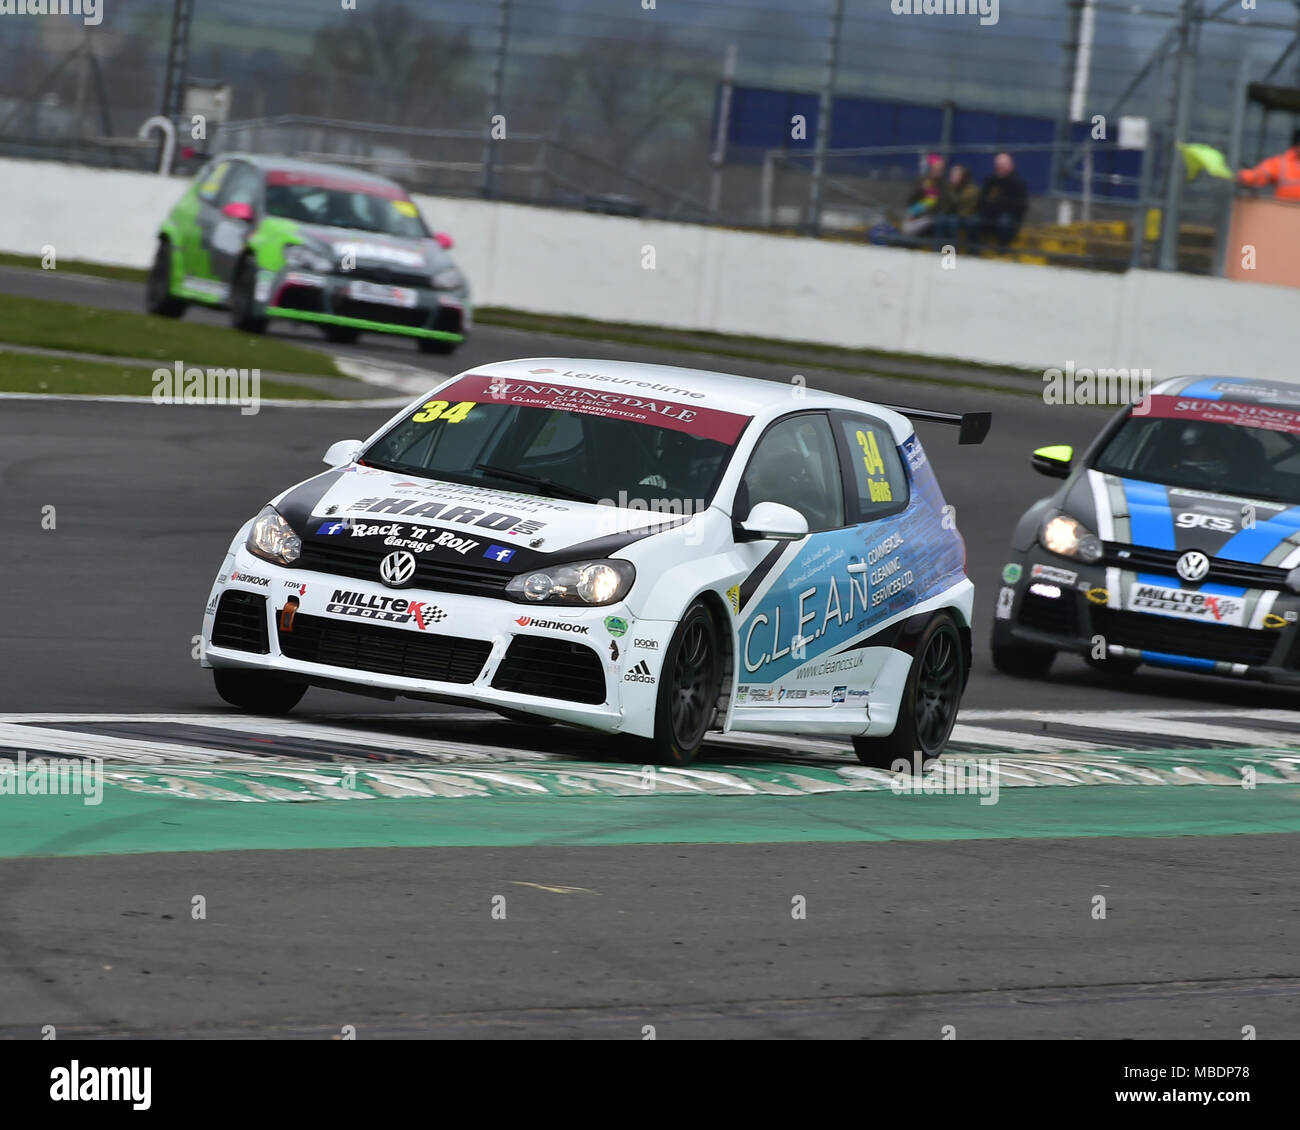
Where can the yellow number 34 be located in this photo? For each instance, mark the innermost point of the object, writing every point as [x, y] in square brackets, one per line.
[871, 453]
[439, 410]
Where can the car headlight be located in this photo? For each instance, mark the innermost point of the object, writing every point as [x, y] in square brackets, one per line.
[297, 257]
[1069, 537]
[273, 539]
[579, 582]
[449, 278]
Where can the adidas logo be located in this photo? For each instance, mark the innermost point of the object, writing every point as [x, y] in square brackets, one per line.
[639, 674]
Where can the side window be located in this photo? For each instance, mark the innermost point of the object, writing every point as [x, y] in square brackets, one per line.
[242, 186]
[210, 184]
[878, 476]
[795, 464]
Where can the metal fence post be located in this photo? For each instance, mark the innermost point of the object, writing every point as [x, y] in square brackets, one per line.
[825, 110]
[1234, 162]
[494, 97]
[1183, 92]
[719, 155]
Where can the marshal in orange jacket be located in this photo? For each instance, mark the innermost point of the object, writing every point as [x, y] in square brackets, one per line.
[1282, 170]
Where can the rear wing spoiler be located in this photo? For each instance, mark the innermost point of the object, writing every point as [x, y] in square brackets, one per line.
[974, 425]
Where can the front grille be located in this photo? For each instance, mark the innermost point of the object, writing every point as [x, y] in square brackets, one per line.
[306, 298]
[381, 312]
[386, 277]
[550, 668]
[1147, 631]
[385, 651]
[1223, 571]
[240, 622]
[335, 555]
[1058, 616]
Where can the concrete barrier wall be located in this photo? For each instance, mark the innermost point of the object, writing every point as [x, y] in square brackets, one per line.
[555, 262]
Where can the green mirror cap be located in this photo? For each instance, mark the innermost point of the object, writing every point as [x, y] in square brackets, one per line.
[1059, 453]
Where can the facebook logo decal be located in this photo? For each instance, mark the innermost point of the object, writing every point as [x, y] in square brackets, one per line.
[332, 528]
[499, 552]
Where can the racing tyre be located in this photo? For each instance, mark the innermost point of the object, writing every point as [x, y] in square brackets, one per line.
[242, 316]
[1025, 662]
[928, 710]
[689, 684]
[341, 335]
[158, 297]
[436, 345]
[258, 692]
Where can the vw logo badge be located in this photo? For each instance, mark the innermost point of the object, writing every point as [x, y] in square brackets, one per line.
[398, 568]
[1193, 565]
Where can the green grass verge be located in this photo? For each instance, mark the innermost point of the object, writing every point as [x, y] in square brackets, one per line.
[877, 363]
[117, 333]
[78, 267]
[36, 372]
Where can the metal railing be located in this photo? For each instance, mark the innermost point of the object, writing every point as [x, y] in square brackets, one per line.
[526, 167]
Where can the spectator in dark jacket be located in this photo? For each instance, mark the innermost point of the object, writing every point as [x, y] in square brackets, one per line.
[1004, 199]
[956, 208]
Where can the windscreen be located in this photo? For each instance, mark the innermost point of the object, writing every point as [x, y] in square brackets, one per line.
[1227, 447]
[342, 204]
[563, 441]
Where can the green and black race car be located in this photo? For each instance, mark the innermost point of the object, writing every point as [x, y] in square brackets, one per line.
[270, 237]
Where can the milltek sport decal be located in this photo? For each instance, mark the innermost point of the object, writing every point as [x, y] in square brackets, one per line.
[1205, 606]
[389, 609]
[659, 412]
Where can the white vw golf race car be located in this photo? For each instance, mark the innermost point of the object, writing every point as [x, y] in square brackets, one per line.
[642, 550]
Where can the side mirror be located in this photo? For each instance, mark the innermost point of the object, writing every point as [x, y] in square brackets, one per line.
[343, 452]
[444, 240]
[775, 521]
[237, 210]
[1054, 462]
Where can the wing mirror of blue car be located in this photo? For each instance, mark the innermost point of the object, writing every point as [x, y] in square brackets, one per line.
[774, 521]
[343, 452]
[1054, 462]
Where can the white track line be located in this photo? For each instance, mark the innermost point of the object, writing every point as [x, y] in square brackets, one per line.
[99, 745]
[1026, 743]
[1152, 725]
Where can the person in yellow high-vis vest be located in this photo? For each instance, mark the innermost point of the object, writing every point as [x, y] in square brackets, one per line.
[1283, 170]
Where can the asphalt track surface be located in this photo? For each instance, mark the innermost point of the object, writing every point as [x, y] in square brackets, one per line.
[993, 937]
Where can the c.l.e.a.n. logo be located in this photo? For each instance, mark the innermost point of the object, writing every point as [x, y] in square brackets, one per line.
[75, 1083]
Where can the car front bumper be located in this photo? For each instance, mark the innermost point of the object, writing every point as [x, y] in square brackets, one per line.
[346, 633]
[340, 301]
[1103, 611]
